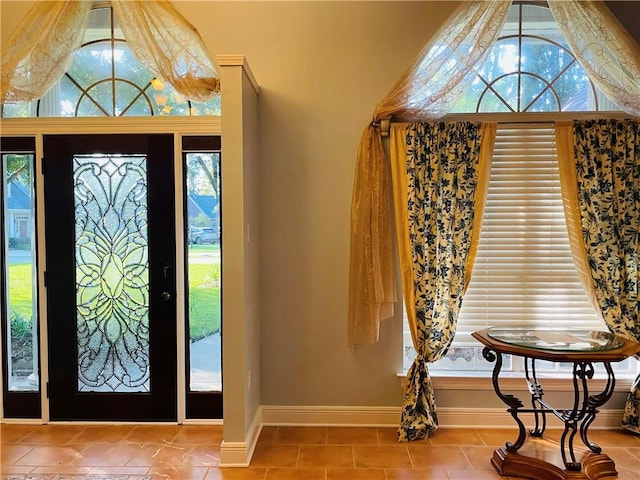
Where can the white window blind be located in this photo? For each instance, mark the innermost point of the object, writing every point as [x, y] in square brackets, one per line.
[524, 273]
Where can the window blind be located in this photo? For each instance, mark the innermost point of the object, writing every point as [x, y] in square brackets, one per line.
[524, 273]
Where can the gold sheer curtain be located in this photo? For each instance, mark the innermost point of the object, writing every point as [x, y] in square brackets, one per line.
[169, 46]
[604, 48]
[442, 72]
[40, 50]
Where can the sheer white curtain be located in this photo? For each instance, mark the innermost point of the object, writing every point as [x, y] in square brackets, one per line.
[40, 50]
[604, 48]
[429, 89]
[169, 46]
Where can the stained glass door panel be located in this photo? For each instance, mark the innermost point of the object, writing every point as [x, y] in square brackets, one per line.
[112, 273]
[111, 281]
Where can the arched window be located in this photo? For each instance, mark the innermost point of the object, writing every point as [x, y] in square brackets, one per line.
[105, 79]
[531, 69]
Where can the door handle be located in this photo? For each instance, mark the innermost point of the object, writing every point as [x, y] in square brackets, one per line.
[166, 296]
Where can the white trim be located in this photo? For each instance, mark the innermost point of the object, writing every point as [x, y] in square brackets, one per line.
[179, 268]
[390, 417]
[238, 454]
[238, 60]
[210, 125]
[330, 416]
[202, 421]
[235, 454]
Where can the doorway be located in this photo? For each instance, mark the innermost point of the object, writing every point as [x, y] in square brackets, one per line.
[111, 277]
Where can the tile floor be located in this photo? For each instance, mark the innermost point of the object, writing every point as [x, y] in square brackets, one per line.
[282, 453]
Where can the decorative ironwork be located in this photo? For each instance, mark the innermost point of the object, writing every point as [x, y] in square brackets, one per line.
[575, 419]
[513, 402]
[112, 276]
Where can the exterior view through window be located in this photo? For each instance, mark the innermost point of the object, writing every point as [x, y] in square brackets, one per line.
[20, 297]
[202, 176]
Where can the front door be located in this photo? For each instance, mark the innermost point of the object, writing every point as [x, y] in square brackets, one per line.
[110, 277]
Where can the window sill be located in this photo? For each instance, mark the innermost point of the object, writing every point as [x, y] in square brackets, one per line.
[514, 381]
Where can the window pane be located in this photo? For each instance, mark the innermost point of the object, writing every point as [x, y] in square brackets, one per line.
[97, 102]
[575, 90]
[490, 102]
[112, 273]
[212, 107]
[546, 103]
[543, 58]
[139, 108]
[20, 254]
[502, 59]
[99, 26]
[69, 95]
[538, 20]
[127, 66]
[17, 110]
[92, 64]
[126, 96]
[203, 271]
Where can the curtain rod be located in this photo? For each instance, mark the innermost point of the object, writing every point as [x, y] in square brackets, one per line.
[510, 118]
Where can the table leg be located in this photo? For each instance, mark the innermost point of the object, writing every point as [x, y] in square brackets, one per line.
[592, 404]
[535, 389]
[513, 402]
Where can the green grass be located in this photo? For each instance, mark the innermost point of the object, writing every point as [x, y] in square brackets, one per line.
[20, 294]
[205, 248]
[204, 300]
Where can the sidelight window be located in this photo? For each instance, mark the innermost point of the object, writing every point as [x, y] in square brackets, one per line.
[19, 291]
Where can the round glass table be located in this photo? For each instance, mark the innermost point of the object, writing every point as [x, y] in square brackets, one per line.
[582, 349]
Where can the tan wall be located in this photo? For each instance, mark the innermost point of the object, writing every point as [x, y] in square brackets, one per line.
[322, 67]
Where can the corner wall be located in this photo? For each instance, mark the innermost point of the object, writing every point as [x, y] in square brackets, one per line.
[240, 260]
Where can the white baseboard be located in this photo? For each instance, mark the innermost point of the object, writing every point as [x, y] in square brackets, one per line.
[330, 416]
[390, 417]
[238, 454]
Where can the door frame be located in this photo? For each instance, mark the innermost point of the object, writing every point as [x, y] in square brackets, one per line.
[66, 403]
[178, 126]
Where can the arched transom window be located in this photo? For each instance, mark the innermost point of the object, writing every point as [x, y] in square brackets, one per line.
[531, 69]
[105, 79]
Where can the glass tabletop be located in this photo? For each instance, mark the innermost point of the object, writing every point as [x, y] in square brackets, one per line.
[557, 340]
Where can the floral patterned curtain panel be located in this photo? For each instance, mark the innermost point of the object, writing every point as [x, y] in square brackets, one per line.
[41, 49]
[440, 178]
[600, 174]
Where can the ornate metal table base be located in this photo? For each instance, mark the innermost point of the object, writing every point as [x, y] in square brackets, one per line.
[577, 418]
[594, 466]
